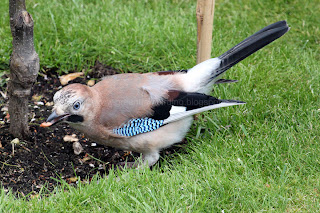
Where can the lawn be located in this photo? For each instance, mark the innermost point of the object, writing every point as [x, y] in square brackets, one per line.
[262, 156]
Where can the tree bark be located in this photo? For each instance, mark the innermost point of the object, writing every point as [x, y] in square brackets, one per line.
[205, 12]
[24, 67]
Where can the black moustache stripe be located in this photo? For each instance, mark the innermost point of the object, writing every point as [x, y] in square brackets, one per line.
[75, 118]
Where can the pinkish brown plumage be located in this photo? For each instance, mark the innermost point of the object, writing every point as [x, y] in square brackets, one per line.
[148, 112]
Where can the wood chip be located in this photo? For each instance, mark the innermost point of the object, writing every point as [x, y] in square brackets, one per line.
[49, 104]
[69, 77]
[70, 138]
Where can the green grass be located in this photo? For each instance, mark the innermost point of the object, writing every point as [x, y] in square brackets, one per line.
[263, 156]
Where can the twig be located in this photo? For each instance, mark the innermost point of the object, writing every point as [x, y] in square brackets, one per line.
[47, 158]
[97, 159]
[4, 163]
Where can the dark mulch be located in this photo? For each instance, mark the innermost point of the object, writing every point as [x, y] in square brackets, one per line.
[44, 157]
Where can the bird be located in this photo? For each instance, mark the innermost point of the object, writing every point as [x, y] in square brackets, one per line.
[148, 112]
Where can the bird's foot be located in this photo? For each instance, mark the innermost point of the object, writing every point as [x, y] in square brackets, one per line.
[127, 165]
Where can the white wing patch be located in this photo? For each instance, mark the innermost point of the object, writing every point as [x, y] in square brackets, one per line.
[177, 109]
[181, 115]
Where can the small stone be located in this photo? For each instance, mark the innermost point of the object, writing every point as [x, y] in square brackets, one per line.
[90, 83]
[39, 103]
[91, 165]
[93, 144]
[77, 148]
[4, 109]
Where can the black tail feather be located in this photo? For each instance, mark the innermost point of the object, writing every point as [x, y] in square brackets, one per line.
[225, 81]
[251, 45]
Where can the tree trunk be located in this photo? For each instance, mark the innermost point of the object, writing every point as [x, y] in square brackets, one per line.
[205, 12]
[24, 67]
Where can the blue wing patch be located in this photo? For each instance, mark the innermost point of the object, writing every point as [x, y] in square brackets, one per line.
[138, 126]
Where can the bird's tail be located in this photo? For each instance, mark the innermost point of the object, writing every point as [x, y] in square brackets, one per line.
[209, 70]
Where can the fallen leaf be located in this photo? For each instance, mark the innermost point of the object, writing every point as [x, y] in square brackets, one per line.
[34, 196]
[1, 147]
[72, 179]
[49, 104]
[127, 153]
[70, 138]
[36, 98]
[69, 77]
[7, 117]
[85, 159]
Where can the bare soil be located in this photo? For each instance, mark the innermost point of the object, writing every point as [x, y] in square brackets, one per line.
[39, 161]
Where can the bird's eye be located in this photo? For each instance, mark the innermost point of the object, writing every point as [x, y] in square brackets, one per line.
[76, 105]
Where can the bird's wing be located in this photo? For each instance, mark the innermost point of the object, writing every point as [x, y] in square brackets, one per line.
[176, 106]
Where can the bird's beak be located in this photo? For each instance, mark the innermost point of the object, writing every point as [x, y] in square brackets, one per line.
[54, 118]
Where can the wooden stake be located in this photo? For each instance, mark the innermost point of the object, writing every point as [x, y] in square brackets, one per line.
[205, 12]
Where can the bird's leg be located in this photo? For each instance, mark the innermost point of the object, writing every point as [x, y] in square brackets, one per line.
[150, 158]
[129, 165]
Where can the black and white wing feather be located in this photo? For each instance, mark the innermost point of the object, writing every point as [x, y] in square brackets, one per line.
[177, 106]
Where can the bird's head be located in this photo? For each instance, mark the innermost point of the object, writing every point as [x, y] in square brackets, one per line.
[72, 104]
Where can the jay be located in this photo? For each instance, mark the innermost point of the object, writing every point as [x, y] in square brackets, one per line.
[148, 112]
